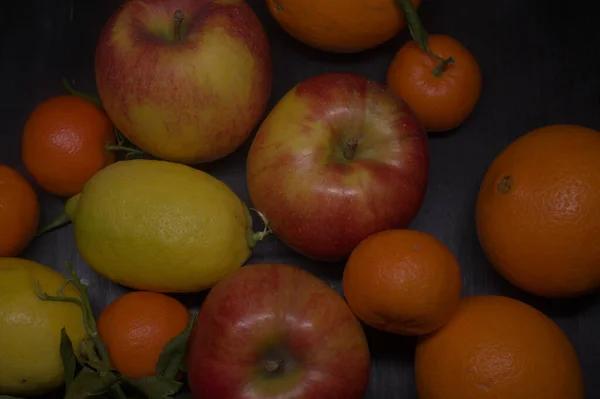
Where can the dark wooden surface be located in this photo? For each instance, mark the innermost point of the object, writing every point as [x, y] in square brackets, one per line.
[539, 61]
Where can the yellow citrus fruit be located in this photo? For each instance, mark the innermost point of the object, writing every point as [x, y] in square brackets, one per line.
[160, 226]
[30, 329]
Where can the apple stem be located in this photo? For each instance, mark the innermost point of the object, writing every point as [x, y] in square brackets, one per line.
[350, 149]
[178, 18]
[273, 366]
[260, 235]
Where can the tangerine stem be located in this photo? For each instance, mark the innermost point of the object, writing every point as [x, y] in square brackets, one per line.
[420, 35]
[130, 150]
[91, 326]
[90, 97]
[441, 67]
[60, 221]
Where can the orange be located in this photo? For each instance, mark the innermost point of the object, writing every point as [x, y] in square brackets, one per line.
[497, 347]
[402, 281]
[65, 143]
[441, 101]
[19, 212]
[538, 211]
[137, 326]
[339, 26]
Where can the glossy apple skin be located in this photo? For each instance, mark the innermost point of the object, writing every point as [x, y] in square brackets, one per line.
[263, 309]
[189, 101]
[317, 202]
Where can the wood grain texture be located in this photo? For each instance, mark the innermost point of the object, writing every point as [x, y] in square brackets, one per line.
[539, 64]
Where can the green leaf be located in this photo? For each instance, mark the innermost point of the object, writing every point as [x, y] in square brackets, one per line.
[418, 33]
[90, 383]
[172, 357]
[156, 387]
[68, 357]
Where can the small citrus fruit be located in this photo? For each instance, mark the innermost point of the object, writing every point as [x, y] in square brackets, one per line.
[537, 213]
[442, 98]
[339, 26]
[65, 143]
[19, 212]
[402, 281]
[30, 328]
[497, 347]
[137, 326]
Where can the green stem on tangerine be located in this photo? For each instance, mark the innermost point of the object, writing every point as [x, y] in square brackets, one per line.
[130, 150]
[420, 35]
[60, 221]
[441, 67]
[90, 97]
[89, 321]
[259, 235]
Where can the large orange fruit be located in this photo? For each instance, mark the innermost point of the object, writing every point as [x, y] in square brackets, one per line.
[538, 211]
[402, 281]
[19, 212]
[137, 326]
[497, 347]
[340, 26]
[65, 142]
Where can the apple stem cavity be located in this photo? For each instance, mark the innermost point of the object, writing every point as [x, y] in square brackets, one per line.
[420, 35]
[260, 235]
[178, 19]
[274, 366]
[350, 149]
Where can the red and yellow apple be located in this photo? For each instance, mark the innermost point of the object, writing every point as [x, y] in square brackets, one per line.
[184, 80]
[276, 331]
[339, 157]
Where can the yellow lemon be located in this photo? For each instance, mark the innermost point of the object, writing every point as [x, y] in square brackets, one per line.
[30, 329]
[161, 226]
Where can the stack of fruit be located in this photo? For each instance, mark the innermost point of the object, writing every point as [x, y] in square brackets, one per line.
[337, 171]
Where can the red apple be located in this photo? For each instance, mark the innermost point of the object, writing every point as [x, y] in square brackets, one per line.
[185, 80]
[340, 157]
[276, 331]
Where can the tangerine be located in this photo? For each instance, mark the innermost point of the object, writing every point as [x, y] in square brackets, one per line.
[442, 95]
[402, 281]
[65, 142]
[19, 212]
[136, 327]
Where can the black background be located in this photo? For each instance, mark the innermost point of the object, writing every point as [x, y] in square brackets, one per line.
[539, 61]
